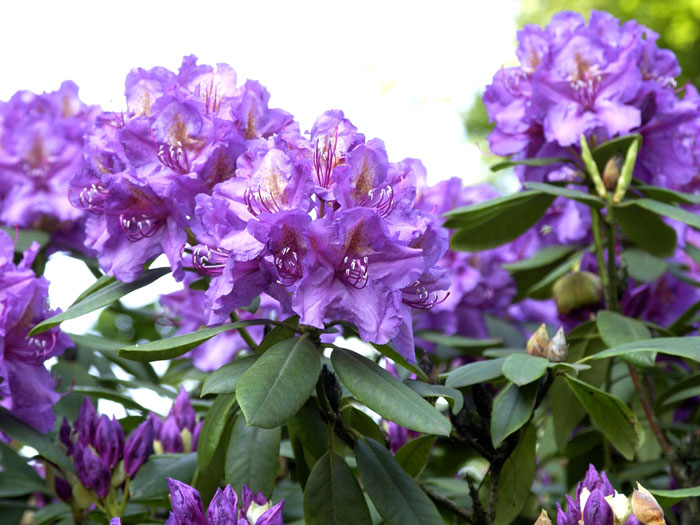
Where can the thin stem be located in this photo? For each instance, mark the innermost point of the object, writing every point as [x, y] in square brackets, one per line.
[612, 271]
[600, 255]
[446, 503]
[244, 334]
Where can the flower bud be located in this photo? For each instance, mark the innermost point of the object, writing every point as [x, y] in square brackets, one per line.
[223, 507]
[82, 498]
[645, 507]
[611, 172]
[597, 511]
[64, 436]
[187, 504]
[575, 290]
[91, 470]
[537, 343]
[186, 437]
[169, 436]
[620, 505]
[557, 349]
[138, 447]
[195, 435]
[543, 519]
[86, 423]
[182, 411]
[63, 489]
[109, 440]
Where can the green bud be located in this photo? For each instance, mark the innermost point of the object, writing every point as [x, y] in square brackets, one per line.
[82, 497]
[575, 290]
[186, 436]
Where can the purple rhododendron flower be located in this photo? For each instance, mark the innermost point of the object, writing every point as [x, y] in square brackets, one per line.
[179, 431]
[138, 448]
[27, 389]
[225, 507]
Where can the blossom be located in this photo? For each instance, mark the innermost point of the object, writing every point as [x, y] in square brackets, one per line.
[27, 389]
[225, 507]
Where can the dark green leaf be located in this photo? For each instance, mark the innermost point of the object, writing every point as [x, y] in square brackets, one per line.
[567, 412]
[100, 283]
[618, 424]
[388, 351]
[542, 289]
[473, 373]
[666, 498]
[670, 211]
[27, 435]
[110, 394]
[213, 428]
[361, 422]
[522, 369]
[26, 238]
[453, 396]
[646, 229]
[414, 455]
[506, 222]
[516, 478]
[539, 161]
[512, 408]
[683, 324]
[458, 341]
[279, 382]
[52, 514]
[643, 266]
[386, 395]
[279, 333]
[106, 295]
[687, 347]
[394, 493]
[560, 191]
[224, 379]
[252, 457]
[604, 151]
[669, 196]
[680, 390]
[150, 482]
[530, 271]
[178, 345]
[616, 329]
[332, 495]
[17, 477]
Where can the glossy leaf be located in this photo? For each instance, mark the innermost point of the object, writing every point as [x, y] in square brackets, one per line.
[453, 396]
[388, 351]
[644, 267]
[537, 161]
[332, 495]
[413, 456]
[669, 196]
[386, 395]
[646, 229]
[561, 191]
[477, 372]
[223, 380]
[522, 369]
[516, 478]
[150, 481]
[613, 417]
[670, 211]
[616, 329]
[458, 341]
[99, 298]
[213, 428]
[17, 478]
[602, 153]
[512, 408]
[666, 498]
[279, 333]
[252, 457]
[97, 285]
[178, 345]
[279, 383]
[396, 496]
[687, 347]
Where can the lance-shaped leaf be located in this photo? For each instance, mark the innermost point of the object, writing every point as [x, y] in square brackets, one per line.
[388, 351]
[512, 408]
[215, 423]
[178, 345]
[252, 457]
[522, 369]
[453, 396]
[617, 422]
[643, 266]
[561, 191]
[225, 379]
[458, 341]
[516, 478]
[669, 196]
[386, 395]
[538, 161]
[332, 495]
[150, 481]
[604, 151]
[529, 272]
[646, 229]
[279, 382]
[670, 211]
[394, 493]
[687, 347]
[477, 372]
[414, 455]
[616, 329]
[100, 283]
[666, 498]
[104, 296]
[492, 223]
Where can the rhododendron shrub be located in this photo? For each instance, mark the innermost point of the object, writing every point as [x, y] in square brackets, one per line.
[347, 343]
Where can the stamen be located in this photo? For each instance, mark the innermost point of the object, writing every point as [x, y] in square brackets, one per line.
[325, 160]
[206, 260]
[91, 198]
[259, 202]
[174, 157]
[383, 201]
[355, 271]
[40, 347]
[420, 298]
[140, 227]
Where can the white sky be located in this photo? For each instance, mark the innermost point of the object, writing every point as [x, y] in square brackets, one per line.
[401, 71]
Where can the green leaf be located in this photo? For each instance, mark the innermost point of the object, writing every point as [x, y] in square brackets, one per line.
[386, 395]
[567, 412]
[150, 482]
[31, 437]
[178, 345]
[252, 457]
[453, 396]
[522, 369]
[646, 229]
[618, 424]
[414, 455]
[542, 289]
[25, 238]
[616, 329]
[603, 152]
[388, 351]
[687, 347]
[670, 211]
[528, 272]
[17, 477]
[458, 341]
[669, 196]
[396, 496]
[97, 285]
[224, 379]
[666, 498]
[516, 478]
[538, 161]
[560, 191]
[687, 387]
[642, 266]
[492, 223]
[99, 298]
[477, 372]
[512, 408]
[279, 382]
[53, 514]
[332, 495]
[279, 333]
[213, 428]
[361, 422]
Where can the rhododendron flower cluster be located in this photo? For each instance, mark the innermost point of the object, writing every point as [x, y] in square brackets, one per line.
[601, 80]
[180, 430]
[27, 388]
[202, 170]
